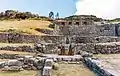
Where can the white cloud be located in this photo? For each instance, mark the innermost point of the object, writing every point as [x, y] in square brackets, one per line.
[101, 8]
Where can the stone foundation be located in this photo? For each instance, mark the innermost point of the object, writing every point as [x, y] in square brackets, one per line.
[26, 63]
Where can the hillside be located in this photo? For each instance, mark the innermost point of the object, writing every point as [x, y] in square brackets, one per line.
[24, 26]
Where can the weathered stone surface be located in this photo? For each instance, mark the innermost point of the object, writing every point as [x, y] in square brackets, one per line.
[92, 39]
[90, 30]
[97, 67]
[99, 48]
[12, 68]
[9, 56]
[18, 48]
[45, 31]
[18, 38]
[14, 63]
[47, 71]
[2, 64]
[53, 38]
[48, 63]
[47, 48]
[29, 63]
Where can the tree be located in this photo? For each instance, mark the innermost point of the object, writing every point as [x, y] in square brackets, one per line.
[51, 15]
[2, 14]
[57, 15]
[10, 14]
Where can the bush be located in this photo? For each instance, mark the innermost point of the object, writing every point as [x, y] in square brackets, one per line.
[12, 14]
[52, 26]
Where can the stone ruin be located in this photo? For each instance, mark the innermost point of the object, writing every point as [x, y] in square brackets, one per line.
[22, 63]
[67, 39]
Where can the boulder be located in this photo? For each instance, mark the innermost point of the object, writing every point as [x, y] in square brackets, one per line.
[55, 66]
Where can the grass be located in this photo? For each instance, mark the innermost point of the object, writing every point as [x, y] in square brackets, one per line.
[24, 26]
[1, 60]
[107, 55]
[15, 44]
[22, 73]
[72, 70]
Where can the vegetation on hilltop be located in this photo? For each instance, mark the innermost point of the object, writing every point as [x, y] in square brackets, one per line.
[12, 14]
[115, 20]
[85, 17]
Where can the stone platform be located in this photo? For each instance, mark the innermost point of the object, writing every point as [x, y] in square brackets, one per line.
[59, 58]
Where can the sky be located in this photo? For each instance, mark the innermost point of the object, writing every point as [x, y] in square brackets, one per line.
[107, 9]
[42, 7]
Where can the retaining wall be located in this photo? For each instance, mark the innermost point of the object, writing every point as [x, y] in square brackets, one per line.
[99, 48]
[18, 48]
[96, 39]
[21, 38]
[90, 30]
[97, 69]
[25, 63]
[18, 38]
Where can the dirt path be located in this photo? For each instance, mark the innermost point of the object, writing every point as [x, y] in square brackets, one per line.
[72, 70]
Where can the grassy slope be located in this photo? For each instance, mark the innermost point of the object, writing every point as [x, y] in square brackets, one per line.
[22, 73]
[24, 26]
[16, 44]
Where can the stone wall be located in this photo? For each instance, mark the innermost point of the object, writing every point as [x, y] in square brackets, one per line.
[9, 56]
[18, 38]
[18, 48]
[99, 48]
[99, 70]
[53, 38]
[97, 39]
[25, 63]
[45, 31]
[89, 30]
[21, 38]
[47, 48]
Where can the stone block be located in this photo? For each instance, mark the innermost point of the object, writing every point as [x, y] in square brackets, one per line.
[14, 63]
[48, 63]
[47, 71]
